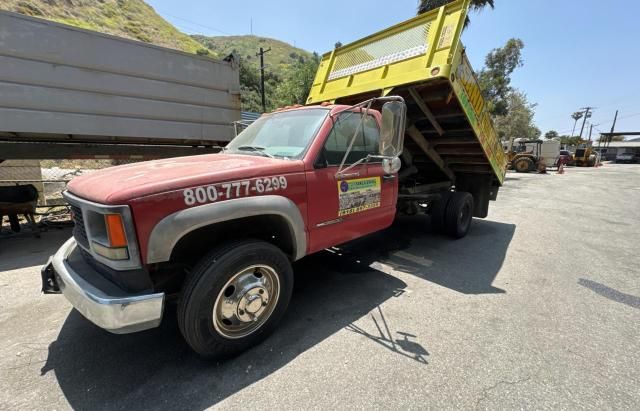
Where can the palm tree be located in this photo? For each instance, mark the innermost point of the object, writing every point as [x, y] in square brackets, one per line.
[576, 116]
[426, 5]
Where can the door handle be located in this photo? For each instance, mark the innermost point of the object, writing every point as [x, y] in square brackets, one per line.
[341, 176]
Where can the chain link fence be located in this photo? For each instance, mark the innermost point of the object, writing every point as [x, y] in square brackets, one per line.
[50, 177]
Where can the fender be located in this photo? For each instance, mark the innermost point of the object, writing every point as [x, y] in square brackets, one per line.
[166, 234]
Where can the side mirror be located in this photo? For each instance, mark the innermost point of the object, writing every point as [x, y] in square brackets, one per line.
[394, 114]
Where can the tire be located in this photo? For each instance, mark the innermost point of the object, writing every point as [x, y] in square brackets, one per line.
[438, 210]
[523, 165]
[457, 219]
[14, 223]
[231, 278]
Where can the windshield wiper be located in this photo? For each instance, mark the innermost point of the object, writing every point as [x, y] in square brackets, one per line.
[256, 149]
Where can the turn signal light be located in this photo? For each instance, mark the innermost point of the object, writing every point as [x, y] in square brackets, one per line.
[115, 230]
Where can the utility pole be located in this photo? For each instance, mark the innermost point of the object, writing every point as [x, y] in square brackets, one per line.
[590, 131]
[613, 128]
[261, 55]
[584, 121]
[575, 116]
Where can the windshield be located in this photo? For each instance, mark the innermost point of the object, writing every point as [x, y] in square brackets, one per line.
[284, 135]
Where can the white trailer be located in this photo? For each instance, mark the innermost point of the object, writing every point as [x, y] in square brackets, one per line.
[68, 92]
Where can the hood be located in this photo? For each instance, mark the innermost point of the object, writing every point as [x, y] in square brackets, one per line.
[119, 185]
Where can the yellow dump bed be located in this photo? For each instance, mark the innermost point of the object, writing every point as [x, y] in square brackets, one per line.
[449, 132]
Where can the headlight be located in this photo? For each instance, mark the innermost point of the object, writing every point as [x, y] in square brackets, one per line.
[106, 232]
[116, 248]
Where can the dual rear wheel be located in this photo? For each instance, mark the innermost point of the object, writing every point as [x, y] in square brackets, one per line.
[452, 214]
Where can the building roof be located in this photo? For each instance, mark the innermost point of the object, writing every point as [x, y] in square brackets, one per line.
[620, 144]
[249, 116]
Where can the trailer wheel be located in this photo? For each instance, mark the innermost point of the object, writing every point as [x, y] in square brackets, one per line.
[457, 219]
[438, 210]
[523, 165]
[234, 298]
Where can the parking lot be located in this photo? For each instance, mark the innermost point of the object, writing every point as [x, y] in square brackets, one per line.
[538, 307]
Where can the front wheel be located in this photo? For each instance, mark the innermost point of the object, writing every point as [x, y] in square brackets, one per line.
[234, 297]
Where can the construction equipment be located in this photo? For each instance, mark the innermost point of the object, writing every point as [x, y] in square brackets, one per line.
[584, 156]
[525, 156]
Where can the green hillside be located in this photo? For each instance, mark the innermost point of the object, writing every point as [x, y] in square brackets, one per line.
[133, 19]
[281, 57]
[289, 71]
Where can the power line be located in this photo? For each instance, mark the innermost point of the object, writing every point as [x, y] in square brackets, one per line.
[619, 118]
[604, 122]
[587, 114]
[194, 23]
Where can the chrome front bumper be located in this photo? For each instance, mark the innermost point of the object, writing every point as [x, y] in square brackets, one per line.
[115, 311]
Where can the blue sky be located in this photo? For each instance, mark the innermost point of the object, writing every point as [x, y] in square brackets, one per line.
[577, 53]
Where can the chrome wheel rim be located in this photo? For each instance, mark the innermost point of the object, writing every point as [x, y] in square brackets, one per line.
[246, 301]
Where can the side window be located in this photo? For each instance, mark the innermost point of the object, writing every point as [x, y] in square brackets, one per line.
[345, 127]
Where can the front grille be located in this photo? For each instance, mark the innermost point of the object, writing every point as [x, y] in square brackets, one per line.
[79, 230]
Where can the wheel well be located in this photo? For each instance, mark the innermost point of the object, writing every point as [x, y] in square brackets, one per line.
[270, 228]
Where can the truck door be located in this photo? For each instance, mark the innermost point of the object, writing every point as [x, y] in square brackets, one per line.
[361, 202]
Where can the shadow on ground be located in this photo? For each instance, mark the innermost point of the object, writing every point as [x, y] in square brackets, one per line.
[156, 369]
[25, 250]
[611, 293]
[334, 289]
[468, 265]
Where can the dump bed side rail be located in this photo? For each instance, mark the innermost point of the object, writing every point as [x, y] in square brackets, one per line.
[402, 54]
[424, 51]
[469, 94]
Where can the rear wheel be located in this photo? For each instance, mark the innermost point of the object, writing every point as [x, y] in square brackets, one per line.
[14, 223]
[457, 219]
[523, 165]
[438, 210]
[234, 298]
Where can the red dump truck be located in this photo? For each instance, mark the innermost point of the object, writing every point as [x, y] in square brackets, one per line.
[217, 233]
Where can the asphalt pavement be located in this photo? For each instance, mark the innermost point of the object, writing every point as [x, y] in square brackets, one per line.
[539, 307]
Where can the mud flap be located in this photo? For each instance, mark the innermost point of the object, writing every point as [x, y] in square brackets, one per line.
[49, 283]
